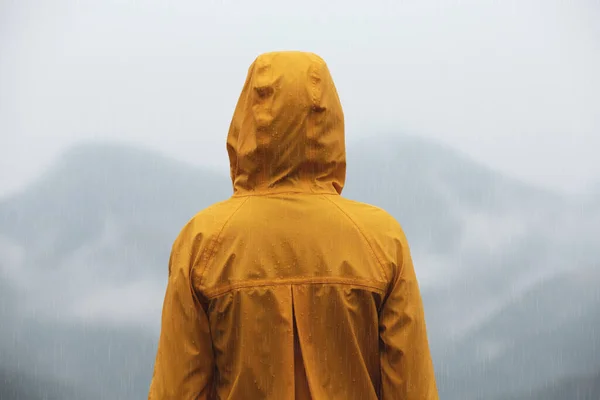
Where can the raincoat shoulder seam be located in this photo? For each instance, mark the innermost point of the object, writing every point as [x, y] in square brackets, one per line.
[212, 247]
[381, 264]
[271, 194]
[379, 287]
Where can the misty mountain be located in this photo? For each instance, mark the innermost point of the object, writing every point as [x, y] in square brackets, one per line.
[86, 249]
[507, 270]
[578, 387]
[543, 335]
[92, 186]
[18, 385]
[497, 260]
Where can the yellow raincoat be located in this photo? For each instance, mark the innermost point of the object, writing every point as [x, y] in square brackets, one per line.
[287, 290]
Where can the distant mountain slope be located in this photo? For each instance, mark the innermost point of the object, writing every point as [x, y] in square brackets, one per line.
[584, 387]
[547, 333]
[83, 256]
[94, 182]
[26, 386]
[424, 183]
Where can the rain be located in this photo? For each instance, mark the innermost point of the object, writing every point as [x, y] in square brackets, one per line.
[474, 124]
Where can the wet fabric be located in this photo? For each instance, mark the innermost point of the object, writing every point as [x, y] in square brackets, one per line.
[287, 290]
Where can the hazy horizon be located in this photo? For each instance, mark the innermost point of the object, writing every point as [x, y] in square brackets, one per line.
[512, 84]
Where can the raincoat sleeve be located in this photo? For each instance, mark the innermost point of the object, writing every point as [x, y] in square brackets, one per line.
[406, 366]
[184, 361]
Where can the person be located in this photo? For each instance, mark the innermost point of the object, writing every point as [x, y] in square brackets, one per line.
[287, 290]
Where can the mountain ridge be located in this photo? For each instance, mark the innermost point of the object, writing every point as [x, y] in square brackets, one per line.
[86, 247]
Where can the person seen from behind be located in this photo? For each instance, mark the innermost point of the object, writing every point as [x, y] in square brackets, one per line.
[287, 290]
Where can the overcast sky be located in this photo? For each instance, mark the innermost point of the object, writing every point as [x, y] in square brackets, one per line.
[514, 84]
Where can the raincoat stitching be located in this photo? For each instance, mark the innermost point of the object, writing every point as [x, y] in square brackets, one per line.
[212, 248]
[400, 268]
[381, 264]
[273, 193]
[219, 291]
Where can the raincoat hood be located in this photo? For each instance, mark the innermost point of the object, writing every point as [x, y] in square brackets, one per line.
[287, 131]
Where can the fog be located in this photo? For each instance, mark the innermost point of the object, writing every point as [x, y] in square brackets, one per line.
[513, 84]
[475, 124]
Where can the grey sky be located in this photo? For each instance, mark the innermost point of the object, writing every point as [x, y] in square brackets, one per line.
[514, 84]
